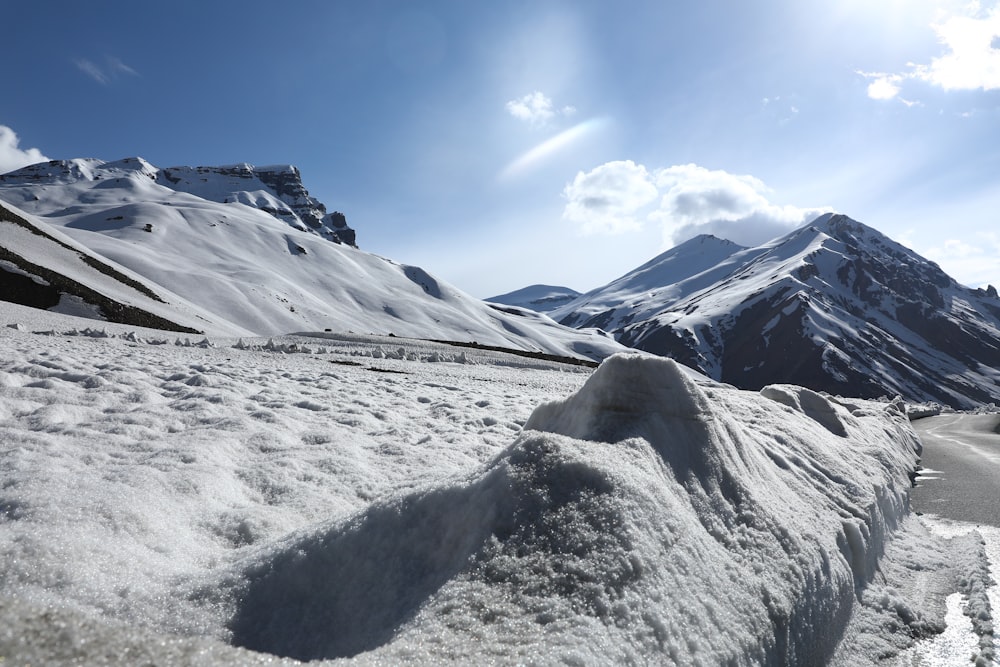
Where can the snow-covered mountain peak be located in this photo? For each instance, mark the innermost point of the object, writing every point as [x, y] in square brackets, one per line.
[540, 298]
[663, 279]
[55, 171]
[834, 305]
[79, 169]
[129, 165]
[275, 189]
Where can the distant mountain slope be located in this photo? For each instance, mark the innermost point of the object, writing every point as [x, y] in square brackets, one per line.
[835, 306]
[541, 298]
[655, 285]
[43, 268]
[255, 271]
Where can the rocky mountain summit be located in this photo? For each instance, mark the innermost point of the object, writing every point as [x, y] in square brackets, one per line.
[294, 204]
[835, 306]
[276, 190]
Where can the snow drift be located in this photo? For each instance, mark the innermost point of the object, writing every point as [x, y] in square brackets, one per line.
[647, 517]
[233, 501]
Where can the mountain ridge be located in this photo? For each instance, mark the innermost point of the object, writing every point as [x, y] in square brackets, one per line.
[673, 273]
[833, 305]
[274, 189]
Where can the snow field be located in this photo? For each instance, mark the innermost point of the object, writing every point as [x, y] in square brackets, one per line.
[125, 470]
[379, 500]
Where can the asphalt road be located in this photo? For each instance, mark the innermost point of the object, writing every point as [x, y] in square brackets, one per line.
[961, 468]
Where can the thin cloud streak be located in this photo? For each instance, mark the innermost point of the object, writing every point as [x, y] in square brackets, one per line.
[552, 145]
[108, 72]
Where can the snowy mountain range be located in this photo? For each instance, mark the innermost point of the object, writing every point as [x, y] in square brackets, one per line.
[232, 251]
[275, 189]
[240, 250]
[834, 305]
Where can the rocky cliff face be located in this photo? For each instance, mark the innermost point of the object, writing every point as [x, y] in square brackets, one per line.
[250, 185]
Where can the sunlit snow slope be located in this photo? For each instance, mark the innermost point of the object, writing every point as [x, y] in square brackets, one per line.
[252, 268]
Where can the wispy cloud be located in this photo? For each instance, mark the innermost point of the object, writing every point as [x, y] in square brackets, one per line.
[537, 109]
[971, 58]
[684, 200]
[12, 157]
[107, 71]
[553, 145]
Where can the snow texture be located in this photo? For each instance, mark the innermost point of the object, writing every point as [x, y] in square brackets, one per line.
[169, 500]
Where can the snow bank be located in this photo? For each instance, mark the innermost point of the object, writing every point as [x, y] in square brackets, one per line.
[647, 518]
[162, 501]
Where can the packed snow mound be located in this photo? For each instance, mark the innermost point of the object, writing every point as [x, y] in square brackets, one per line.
[808, 402]
[645, 518]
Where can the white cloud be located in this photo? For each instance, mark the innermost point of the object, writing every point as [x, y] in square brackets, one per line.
[537, 109]
[106, 72]
[607, 198]
[884, 86]
[971, 60]
[687, 200]
[696, 200]
[12, 157]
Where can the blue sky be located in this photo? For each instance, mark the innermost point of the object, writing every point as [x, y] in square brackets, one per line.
[500, 144]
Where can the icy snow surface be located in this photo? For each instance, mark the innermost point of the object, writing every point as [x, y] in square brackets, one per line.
[169, 500]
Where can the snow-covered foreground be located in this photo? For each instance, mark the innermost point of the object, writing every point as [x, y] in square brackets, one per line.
[167, 501]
